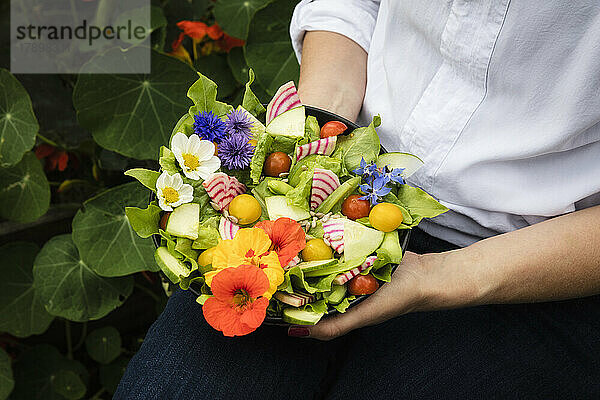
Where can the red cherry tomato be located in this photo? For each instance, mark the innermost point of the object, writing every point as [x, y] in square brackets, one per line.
[163, 220]
[354, 208]
[333, 128]
[277, 163]
[362, 284]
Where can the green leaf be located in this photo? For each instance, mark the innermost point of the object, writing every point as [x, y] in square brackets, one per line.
[419, 203]
[104, 344]
[146, 177]
[111, 374]
[203, 93]
[263, 145]
[215, 65]
[133, 114]
[167, 161]
[18, 125]
[208, 234]
[144, 221]
[24, 190]
[311, 129]
[68, 384]
[234, 16]
[106, 240]
[70, 289]
[7, 382]
[22, 313]
[237, 63]
[151, 19]
[362, 143]
[250, 102]
[269, 49]
[37, 368]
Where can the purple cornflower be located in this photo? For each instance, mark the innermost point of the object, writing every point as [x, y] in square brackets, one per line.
[369, 172]
[239, 123]
[374, 192]
[209, 126]
[235, 151]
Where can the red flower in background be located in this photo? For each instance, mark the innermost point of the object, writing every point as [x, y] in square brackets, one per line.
[55, 158]
[198, 31]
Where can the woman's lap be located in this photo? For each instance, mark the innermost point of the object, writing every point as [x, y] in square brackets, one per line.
[544, 350]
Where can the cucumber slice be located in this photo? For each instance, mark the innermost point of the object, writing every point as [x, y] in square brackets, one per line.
[334, 268]
[173, 268]
[184, 220]
[392, 245]
[336, 295]
[295, 316]
[278, 207]
[290, 123]
[409, 162]
[359, 240]
[308, 266]
[339, 194]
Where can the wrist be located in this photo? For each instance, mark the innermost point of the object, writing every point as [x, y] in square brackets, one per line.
[452, 280]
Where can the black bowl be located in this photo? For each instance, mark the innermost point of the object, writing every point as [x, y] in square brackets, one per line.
[322, 116]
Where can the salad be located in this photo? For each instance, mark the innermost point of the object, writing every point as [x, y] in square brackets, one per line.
[271, 216]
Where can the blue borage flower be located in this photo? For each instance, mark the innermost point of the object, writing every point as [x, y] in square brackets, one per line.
[209, 126]
[235, 151]
[394, 175]
[376, 191]
[368, 172]
[238, 122]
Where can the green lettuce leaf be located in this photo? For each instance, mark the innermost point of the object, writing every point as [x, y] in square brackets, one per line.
[311, 129]
[203, 93]
[167, 161]
[208, 233]
[250, 102]
[144, 221]
[263, 146]
[294, 279]
[419, 204]
[146, 177]
[300, 194]
[361, 143]
[310, 163]
[319, 306]
[344, 304]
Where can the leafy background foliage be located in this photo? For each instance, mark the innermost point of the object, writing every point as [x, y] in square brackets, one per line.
[79, 288]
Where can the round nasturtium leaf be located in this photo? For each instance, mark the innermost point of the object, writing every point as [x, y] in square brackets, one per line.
[7, 382]
[18, 125]
[70, 289]
[234, 16]
[104, 237]
[104, 344]
[36, 370]
[24, 190]
[133, 114]
[22, 313]
[68, 384]
[269, 49]
[111, 374]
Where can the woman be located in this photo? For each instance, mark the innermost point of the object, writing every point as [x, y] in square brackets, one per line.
[501, 100]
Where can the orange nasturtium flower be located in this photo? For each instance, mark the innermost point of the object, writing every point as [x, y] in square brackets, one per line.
[250, 246]
[287, 238]
[237, 307]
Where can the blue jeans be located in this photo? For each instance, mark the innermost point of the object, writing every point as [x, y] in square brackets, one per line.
[545, 351]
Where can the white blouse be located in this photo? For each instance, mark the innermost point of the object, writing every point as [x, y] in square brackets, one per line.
[500, 98]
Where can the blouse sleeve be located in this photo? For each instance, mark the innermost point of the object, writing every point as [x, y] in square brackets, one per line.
[354, 19]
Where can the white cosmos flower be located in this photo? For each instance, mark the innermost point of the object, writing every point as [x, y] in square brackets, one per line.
[172, 192]
[196, 157]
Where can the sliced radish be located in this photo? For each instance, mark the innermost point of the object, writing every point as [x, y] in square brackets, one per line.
[227, 229]
[293, 262]
[334, 233]
[285, 99]
[294, 299]
[222, 188]
[345, 277]
[323, 184]
[324, 146]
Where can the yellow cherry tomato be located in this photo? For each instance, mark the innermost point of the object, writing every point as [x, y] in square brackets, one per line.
[316, 249]
[245, 208]
[385, 217]
[205, 258]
